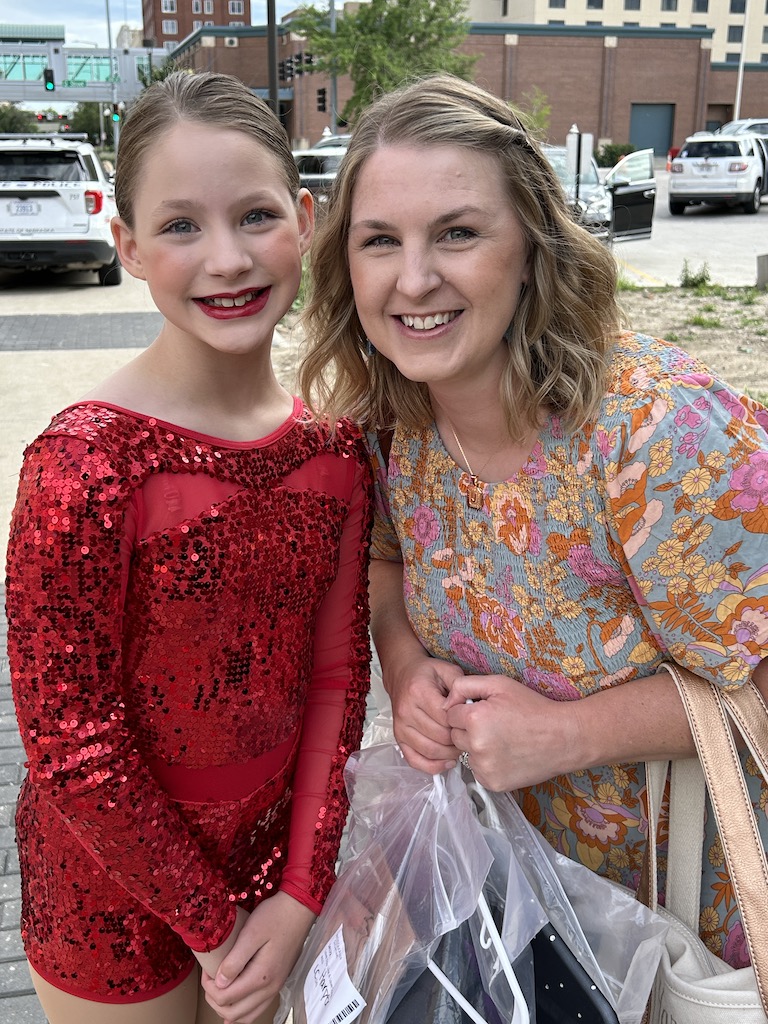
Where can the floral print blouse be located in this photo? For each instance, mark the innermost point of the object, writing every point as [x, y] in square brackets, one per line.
[640, 538]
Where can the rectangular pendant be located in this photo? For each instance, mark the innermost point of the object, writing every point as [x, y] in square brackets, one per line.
[474, 496]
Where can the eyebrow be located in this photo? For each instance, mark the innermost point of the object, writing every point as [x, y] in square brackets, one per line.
[184, 205]
[444, 218]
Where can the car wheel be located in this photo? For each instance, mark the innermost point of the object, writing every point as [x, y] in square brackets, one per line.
[676, 208]
[752, 205]
[112, 273]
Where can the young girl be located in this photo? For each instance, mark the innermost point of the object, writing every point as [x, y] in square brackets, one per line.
[187, 605]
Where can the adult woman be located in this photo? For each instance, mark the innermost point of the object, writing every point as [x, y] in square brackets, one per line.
[186, 602]
[572, 505]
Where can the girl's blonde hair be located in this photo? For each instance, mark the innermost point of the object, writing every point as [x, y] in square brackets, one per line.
[220, 101]
[567, 316]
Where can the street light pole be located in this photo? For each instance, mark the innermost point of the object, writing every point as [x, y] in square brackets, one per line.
[742, 62]
[115, 124]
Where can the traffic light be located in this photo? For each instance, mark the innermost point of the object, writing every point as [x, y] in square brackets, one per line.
[298, 63]
[281, 70]
[288, 68]
[321, 104]
[115, 112]
[50, 84]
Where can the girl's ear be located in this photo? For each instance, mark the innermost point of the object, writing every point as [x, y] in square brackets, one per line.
[127, 249]
[305, 208]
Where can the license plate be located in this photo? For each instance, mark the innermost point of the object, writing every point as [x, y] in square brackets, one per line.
[20, 209]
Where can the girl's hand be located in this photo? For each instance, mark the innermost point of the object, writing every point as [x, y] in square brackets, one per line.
[255, 969]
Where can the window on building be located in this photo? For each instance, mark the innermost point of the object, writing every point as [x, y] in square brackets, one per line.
[236, 24]
[207, 6]
[170, 27]
[588, 22]
[594, 5]
[236, 7]
[735, 33]
[555, 21]
[208, 24]
[197, 6]
[669, 5]
[631, 5]
[631, 24]
[667, 24]
[557, 3]
[738, 6]
[168, 6]
[700, 6]
[196, 25]
[732, 58]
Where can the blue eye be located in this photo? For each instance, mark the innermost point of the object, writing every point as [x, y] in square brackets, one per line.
[258, 217]
[180, 227]
[459, 234]
[378, 242]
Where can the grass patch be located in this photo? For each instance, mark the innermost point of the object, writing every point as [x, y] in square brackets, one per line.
[694, 278]
[623, 284]
[699, 320]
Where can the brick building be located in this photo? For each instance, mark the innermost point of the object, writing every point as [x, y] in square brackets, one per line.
[647, 86]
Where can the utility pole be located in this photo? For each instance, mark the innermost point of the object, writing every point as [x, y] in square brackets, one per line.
[332, 80]
[113, 83]
[274, 89]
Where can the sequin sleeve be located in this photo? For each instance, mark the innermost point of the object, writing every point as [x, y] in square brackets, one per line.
[336, 704]
[64, 643]
[687, 478]
[384, 542]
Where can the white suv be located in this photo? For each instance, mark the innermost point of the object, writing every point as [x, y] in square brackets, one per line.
[726, 170]
[56, 204]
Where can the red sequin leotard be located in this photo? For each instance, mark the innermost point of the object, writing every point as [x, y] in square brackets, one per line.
[189, 657]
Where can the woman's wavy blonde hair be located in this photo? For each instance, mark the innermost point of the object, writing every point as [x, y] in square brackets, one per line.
[567, 316]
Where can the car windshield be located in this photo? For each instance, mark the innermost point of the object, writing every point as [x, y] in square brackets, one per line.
[710, 148]
[558, 157]
[732, 127]
[28, 166]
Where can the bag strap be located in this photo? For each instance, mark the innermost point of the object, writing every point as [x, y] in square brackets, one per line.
[709, 713]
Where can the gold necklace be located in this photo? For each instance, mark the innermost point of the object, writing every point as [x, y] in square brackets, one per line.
[475, 488]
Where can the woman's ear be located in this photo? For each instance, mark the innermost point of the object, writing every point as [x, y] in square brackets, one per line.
[305, 209]
[127, 249]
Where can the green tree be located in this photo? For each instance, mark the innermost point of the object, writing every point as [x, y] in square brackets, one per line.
[14, 119]
[85, 118]
[156, 72]
[535, 112]
[385, 43]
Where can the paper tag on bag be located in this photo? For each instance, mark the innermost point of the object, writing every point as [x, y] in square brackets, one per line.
[329, 995]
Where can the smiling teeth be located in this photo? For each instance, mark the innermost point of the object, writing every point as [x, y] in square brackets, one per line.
[226, 302]
[426, 323]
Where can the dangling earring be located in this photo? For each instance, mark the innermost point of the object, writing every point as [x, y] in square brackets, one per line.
[370, 349]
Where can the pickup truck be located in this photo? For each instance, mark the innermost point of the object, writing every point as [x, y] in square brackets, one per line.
[56, 204]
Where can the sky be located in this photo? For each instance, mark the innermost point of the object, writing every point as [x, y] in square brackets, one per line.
[85, 21]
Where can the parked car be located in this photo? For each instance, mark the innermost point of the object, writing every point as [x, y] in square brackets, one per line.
[318, 167]
[332, 140]
[56, 202]
[620, 206]
[719, 169]
[746, 125]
